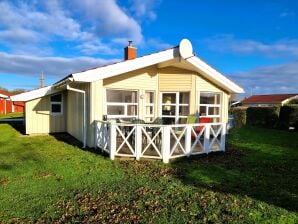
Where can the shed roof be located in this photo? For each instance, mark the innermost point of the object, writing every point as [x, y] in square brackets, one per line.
[266, 99]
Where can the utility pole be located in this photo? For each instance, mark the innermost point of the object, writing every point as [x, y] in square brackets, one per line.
[41, 80]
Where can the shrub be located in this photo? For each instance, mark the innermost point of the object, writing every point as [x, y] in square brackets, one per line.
[266, 117]
[288, 117]
[239, 116]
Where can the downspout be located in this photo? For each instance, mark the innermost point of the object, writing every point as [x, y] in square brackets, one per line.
[84, 112]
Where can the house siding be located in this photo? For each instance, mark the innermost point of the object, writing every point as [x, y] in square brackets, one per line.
[96, 108]
[75, 108]
[39, 120]
[175, 79]
[139, 79]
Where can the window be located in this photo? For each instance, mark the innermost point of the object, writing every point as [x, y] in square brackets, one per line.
[175, 107]
[210, 105]
[149, 106]
[122, 103]
[56, 104]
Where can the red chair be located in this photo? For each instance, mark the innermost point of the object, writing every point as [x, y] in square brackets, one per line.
[203, 120]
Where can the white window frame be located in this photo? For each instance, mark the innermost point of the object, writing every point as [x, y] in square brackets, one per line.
[210, 105]
[123, 104]
[146, 116]
[176, 105]
[57, 103]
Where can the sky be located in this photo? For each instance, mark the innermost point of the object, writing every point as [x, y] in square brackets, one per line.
[254, 42]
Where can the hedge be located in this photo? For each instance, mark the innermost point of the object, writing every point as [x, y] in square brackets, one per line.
[288, 117]
[239, 114]
[266, 117]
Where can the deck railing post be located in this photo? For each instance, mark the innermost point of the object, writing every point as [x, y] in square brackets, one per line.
[223, 137]
[138, 143]
[101, 135]
[96, 134]
[188, 140]
[113, 139]
[165, 144]
[206, 138]
[106, 136]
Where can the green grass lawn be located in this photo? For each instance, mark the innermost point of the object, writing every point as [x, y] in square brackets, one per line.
[46, 180]
[12, 115]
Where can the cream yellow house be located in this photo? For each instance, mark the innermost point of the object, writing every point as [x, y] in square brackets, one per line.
[170, 84]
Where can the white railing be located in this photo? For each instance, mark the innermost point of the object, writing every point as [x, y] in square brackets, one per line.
[163, 142]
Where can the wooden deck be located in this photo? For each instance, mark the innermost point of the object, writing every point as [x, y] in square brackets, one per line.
[159, 141]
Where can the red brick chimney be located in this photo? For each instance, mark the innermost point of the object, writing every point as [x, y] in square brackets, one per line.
[130, 52]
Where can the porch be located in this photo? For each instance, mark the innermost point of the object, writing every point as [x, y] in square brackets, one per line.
[157, 141]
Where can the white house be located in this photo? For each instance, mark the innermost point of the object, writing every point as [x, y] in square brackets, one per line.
[170, 84]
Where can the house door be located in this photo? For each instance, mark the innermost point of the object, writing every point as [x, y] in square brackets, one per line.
[174, 107]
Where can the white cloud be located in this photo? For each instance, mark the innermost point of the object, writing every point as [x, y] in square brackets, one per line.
[88, 25]
[269, 79]
[56, 67]
[93, 47]
[157, 44]
[108, 19]
[144, 9]
[229, 44]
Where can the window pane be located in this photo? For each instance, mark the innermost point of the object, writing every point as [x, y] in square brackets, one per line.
[210, 98]
[56, 98]
[168, 120]
[184, 110]
[217, 99]
[169, 98]
[131, 110]
[121, 96]
[182, 121]
[149, 110]
[149, 97]
[168, 110]
[203, 111]
[115, 110]
[184, 98]
[213, 111]
[56, 108]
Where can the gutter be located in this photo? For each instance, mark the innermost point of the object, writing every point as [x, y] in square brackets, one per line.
[84, 112]
[63, 83]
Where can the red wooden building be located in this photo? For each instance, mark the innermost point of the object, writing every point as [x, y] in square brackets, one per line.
[7, 106]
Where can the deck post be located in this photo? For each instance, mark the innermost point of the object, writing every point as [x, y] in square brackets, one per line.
[207, 138]
[188, 140]
[223, 137]
[165, 144]
[138, 143]
[113, 139]
[96, 134]
[101, 134]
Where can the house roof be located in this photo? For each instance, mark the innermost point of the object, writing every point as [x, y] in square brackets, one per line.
[34, 94]
[4, 93]
[156, 58]
[267, 99]
[181, 53]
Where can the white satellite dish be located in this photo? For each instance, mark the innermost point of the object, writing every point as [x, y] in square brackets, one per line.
[185, 49]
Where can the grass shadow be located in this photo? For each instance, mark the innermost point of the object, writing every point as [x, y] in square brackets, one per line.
[244, 172]
[19, 126]
[69, 139]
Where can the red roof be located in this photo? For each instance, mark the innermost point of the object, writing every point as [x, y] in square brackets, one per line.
[4, 92]
[274, 98]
